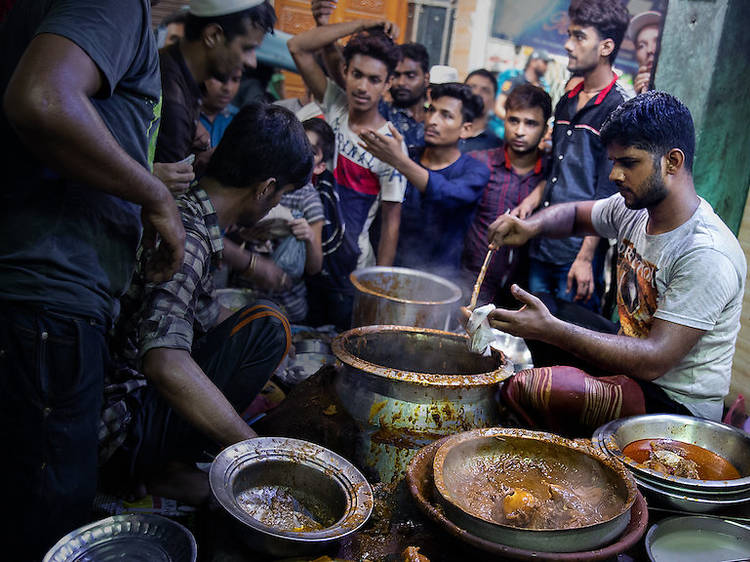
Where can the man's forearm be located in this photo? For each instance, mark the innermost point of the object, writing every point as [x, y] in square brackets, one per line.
[317, 38]
[180, 380]
[58, 122]
[635, 357]
[557, 221]
[417, 175]
[588, 248]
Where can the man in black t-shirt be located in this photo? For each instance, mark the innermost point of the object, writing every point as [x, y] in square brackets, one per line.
[81, 109]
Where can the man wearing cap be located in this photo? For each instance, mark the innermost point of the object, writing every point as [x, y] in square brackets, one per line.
[533, 73]
[80, 87]
[220, 36]
[644, 33]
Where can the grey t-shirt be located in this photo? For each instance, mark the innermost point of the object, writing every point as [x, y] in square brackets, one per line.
[694, 276]
[65, 246]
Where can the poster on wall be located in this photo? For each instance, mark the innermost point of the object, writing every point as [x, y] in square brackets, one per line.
[543, 24]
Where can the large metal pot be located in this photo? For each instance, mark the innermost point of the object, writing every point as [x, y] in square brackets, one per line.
[403, 297]
[406, 387]
[475, 458]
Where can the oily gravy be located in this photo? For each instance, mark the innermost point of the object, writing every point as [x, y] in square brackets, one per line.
[708, 464]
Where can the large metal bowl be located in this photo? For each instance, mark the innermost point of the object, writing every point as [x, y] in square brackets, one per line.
[325, 484]
[399, 296]
[462, 457]
[406, 387]
[724, 440]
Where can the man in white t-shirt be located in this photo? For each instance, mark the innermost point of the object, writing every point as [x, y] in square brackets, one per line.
[349, 101]
[680, 270]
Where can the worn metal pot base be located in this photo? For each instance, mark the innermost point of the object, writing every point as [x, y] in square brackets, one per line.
[406, 387]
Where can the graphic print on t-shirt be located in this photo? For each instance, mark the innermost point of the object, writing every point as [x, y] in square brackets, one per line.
[636, 291]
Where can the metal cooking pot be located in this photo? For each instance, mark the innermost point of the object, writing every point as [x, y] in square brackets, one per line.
[406, 387]
[460, 458]
[403, 297]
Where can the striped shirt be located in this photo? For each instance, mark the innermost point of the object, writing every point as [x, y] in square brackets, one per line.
[505, 190]
[172, 314]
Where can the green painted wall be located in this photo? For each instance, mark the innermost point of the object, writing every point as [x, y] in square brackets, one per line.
[705, 61]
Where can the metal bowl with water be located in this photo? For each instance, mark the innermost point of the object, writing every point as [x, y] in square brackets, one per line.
[466, 457]
[265, 474]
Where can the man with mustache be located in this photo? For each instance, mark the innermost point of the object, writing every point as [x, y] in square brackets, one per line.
[570, 269]
[220, 36]
[408, 94]
[516, 168]
[680, 279]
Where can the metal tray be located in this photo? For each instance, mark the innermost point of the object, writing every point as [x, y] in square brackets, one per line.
[134, 536]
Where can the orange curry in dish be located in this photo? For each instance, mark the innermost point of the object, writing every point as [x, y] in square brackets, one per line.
[677, 458]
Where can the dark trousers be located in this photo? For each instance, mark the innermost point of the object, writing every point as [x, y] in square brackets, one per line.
[329, 306]
[51, 379]
[239, 356]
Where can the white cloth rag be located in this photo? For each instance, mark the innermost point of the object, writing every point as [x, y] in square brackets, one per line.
[480, 333]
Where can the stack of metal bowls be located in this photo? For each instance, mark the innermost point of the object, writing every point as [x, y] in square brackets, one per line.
[699, 496]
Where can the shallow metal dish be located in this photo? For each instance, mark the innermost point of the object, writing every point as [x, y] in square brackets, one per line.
[141, 536]
[419, 478]
[691, 501]
[457, 455]
[697, 539]
[724, 440]
[315, 475]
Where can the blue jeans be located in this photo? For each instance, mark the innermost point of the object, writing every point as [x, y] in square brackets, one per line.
[51, 383]
[553, 279]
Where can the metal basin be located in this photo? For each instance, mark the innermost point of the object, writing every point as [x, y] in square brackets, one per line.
[470, 466]
[403, 297]
[323, 486]
[690, 501]
[407, 387]
[724, 440]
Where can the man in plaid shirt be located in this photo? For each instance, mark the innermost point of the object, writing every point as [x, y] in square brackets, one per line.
[201, 364]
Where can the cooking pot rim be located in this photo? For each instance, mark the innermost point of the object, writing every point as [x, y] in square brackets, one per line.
[355, 275]
[502, 372]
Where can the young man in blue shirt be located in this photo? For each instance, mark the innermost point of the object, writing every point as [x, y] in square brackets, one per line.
[444, 185]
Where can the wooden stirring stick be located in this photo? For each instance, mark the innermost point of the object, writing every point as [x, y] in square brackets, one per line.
[480, 279]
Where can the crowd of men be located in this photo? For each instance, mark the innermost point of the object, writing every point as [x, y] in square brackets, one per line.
[132, 185]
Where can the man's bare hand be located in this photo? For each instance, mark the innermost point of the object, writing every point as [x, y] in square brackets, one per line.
[163, 240]
[528, 205]
[642, 79]
[581, 275]
[508, 230]
[322, 10]
[386, 148]
[532, 321]
[177, 176]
